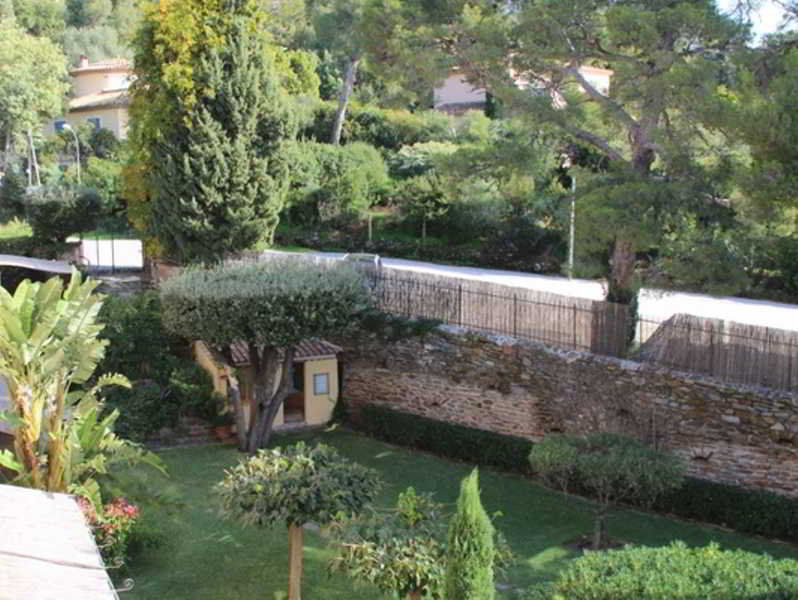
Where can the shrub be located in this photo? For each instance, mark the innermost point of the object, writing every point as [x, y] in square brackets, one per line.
[611, 468]
[388, 130]
[144, 410]
[454, 441]
[140, 347]
[331, 181]
[56, 212]
[113, 526]
[417, 159]
[754, 512]
[470, 553]
[673, 572]
[191, 386]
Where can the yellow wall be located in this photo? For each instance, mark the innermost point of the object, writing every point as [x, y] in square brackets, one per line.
[114, 119]
[93, 82]
[318, 409]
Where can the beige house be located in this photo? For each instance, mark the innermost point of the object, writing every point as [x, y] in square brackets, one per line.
[100, 97]
[456, 95]
[315, 381]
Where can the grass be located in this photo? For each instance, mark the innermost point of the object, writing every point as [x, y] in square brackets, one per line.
[15, 228]
[207, 558]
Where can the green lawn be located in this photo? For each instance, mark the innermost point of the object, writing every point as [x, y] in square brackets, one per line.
[206, 558]
[15, 228]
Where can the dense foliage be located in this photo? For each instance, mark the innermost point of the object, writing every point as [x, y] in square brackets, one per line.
[671, 572]
[400, 550]
[166, 381]
[56, 212]
[470, 552]
[330, 182]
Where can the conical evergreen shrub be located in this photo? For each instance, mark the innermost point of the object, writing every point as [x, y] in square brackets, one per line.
[469, 559]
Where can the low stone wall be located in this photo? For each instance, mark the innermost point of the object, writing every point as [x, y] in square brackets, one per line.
[732, 434]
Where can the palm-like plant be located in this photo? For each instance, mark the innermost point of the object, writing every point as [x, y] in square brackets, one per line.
[50, 345]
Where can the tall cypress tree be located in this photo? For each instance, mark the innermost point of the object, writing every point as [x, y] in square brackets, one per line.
[220, 178]
[470, 553]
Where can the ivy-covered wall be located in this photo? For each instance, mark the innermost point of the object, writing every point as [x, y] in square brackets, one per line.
[733, 434]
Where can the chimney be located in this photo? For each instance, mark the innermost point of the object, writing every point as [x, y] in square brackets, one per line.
[84, 62]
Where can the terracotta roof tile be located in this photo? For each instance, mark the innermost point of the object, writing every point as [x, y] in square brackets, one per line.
[310, 349]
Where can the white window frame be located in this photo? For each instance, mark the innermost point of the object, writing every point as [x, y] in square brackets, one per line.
[321, 384]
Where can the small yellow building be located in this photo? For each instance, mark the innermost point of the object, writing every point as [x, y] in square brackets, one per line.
[315, 381]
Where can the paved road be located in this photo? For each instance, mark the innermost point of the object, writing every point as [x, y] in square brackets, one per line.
[654, 305]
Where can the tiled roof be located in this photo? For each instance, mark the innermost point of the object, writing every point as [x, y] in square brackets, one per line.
[112, 64]
[110, 99]
[311, 349]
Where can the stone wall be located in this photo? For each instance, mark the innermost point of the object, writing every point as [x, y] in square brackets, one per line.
[733, 434]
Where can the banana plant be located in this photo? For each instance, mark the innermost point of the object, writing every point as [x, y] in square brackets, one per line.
[49, 348]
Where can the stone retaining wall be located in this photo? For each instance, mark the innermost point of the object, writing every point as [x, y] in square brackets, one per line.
[733, 434]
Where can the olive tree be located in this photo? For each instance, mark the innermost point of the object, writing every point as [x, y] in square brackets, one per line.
[612, 468]
[292, 486]
[269, 308]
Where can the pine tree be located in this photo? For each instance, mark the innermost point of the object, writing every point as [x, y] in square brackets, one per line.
[470, 554]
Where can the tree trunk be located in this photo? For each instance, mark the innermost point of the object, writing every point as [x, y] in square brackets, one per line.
[238, 408]
[34, 162]
[600, 531]
[622, 270]
[424, 230]
[268, 398]
[414, 595]
[343, 99]
[295, 562]
[6, 149]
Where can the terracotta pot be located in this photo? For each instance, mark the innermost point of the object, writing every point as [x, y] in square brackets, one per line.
[222, 432]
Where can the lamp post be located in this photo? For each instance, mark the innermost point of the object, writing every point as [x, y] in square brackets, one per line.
[68, 127]
[566, 164]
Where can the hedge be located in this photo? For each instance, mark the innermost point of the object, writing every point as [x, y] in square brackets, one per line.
[753, 512]
[446, 439]
[675, 571]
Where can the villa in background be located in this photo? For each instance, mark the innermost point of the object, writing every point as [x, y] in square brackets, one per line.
[455, 95]
[100, 96]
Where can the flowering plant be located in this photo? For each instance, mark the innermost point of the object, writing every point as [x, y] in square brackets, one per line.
[112, 525]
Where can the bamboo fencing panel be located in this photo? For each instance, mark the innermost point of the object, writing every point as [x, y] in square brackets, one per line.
[733, 352]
